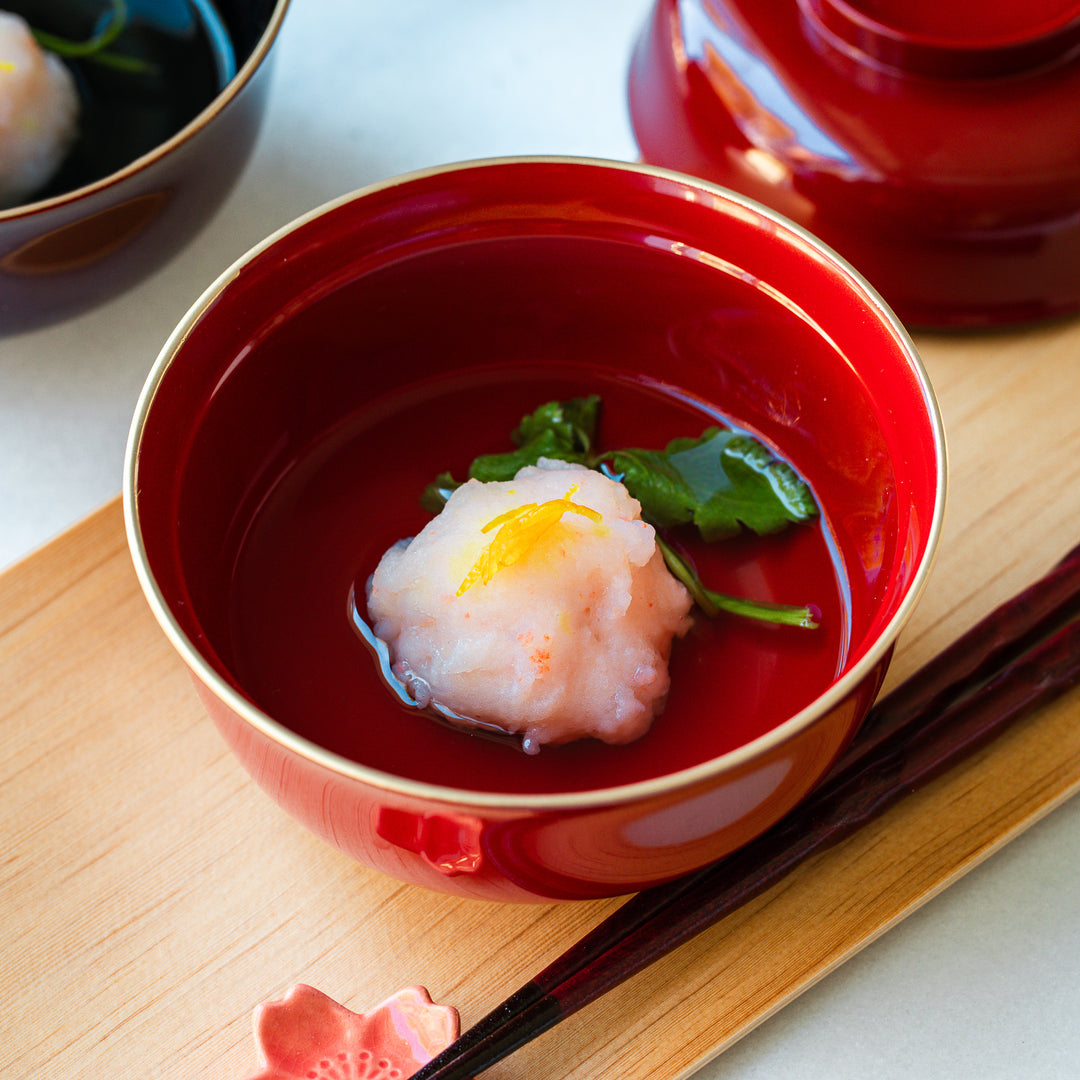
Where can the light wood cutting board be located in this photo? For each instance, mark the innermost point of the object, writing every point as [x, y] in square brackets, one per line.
[152, 896]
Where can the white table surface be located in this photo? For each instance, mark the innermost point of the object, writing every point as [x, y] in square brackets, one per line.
[984, 981]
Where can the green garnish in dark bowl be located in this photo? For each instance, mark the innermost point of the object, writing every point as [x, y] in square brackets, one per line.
[96, 46]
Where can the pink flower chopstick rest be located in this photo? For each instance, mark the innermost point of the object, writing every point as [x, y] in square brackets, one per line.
[309, 1036]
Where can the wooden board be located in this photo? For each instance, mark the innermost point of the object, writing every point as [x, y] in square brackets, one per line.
[152, 896]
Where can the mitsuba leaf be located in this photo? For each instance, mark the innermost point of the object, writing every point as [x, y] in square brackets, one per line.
[650, 476]
[740, 484]
[547, 444]
[771, 495]
[572, 423]
[723, 482]
[561, 430]
[437, 494]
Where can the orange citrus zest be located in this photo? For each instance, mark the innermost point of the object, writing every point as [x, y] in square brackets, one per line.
[520, 530]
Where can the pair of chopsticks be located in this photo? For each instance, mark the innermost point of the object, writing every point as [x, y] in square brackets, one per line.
[1022, 655]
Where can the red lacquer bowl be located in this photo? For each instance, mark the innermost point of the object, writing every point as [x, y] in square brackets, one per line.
[294, 417]
[74, 247]
[933, 144]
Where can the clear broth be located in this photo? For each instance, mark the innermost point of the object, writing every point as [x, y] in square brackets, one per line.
[326, 522]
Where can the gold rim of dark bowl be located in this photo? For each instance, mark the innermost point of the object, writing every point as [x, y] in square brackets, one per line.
[197, 123]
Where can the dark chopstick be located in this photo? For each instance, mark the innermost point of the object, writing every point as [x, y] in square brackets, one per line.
[1022, 655]
[986, 649]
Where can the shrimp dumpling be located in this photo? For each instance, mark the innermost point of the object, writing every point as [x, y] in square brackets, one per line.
[39, 110]
[540, 605]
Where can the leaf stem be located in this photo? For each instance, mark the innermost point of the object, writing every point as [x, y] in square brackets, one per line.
[712, 602]
[93, 48]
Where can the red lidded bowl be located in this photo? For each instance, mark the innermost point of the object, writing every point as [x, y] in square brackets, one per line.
[933, 144]
[297, 412]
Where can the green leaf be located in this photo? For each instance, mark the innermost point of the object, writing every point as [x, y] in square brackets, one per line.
[561, 430]
[547, 443]
[650, 476]
[740, 484]
[437, 494]
[571, 423]
[721, 482]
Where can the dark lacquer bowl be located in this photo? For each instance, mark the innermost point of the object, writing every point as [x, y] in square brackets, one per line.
[296, 414]
[159, 146]
[933, 144]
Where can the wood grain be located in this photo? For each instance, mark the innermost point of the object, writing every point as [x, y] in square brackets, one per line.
[152, 896]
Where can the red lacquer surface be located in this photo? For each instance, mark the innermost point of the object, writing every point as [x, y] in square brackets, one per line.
[402, 333]
[325, 523]
[933, 144]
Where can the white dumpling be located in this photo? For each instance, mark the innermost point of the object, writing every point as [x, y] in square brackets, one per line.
[541, 605]
[39, 111]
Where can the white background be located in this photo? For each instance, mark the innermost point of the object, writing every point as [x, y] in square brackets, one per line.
[982, 982]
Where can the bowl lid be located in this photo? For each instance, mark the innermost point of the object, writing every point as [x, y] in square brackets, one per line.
[950, 38]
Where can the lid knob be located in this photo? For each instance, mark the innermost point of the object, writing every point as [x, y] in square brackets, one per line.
[950, 38]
